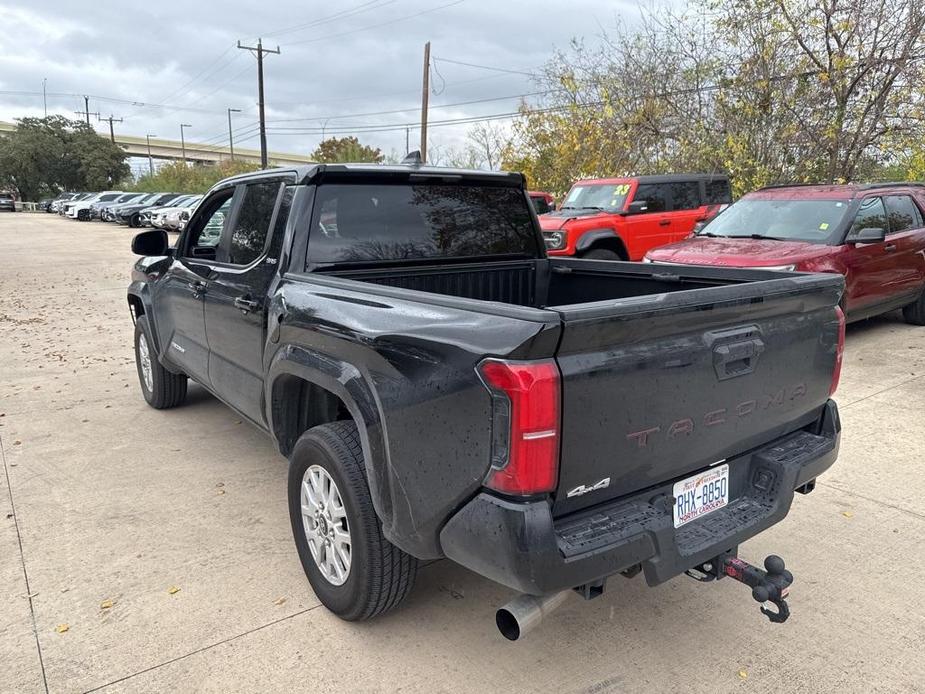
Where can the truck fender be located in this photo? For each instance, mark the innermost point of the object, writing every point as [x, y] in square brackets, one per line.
[139, 301]
[347, 383]
[592, 236]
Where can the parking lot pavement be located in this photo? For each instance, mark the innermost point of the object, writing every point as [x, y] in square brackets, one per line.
[158, 543]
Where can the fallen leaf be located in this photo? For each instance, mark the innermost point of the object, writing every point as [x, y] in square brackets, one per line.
[173, 589]
[279, 601]
[106, 604]
[220, 491]
[17, 442]
[743, 675]
[847, 514]
[61, 628]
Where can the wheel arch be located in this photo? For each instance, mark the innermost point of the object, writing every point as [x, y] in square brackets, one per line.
[325, 389]
[607, 239]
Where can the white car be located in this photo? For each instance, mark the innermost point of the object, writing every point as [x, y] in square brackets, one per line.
[74, 209]
[177, 217]
[157, 216]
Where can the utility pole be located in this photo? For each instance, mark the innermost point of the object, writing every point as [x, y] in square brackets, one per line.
[111, 120]
[44, 96]
[150, 160]
[407, 140]
[258, 51]
[230, 137]
[183, 141]
[425, 94]
[87, 112]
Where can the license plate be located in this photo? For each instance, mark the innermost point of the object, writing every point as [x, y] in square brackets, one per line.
[701, 494]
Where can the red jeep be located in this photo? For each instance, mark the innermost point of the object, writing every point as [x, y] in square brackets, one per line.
[873, 234]
[622, 218]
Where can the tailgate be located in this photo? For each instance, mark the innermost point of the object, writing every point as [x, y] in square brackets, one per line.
[657, 387]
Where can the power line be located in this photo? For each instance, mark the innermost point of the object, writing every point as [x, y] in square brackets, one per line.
[485, 67]
[377, 26]
[360, 9]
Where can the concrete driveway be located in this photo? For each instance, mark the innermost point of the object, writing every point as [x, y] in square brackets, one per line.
[151, 551]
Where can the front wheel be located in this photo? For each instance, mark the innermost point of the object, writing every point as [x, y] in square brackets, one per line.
[160, 388]
[914, 313]
[134, 221]
[355, 571]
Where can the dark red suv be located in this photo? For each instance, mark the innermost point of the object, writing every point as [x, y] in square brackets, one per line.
[872, 234]
[622, 218]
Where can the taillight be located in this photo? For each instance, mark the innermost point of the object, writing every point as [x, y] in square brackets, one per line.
[839, 351]
[525, 425]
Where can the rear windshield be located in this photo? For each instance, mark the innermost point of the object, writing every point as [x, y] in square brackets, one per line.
[597, 197]
[377, 222]
[797, 220]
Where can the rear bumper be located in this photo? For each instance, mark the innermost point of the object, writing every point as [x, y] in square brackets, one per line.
[520, 544]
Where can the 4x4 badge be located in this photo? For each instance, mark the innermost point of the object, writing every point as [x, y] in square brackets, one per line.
[584, 489]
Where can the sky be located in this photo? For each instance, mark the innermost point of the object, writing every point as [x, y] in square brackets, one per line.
[341, 64]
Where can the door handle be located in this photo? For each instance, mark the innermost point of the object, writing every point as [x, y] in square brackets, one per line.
[664, 222]
[890, 247]
[197, 287]
[245, 304]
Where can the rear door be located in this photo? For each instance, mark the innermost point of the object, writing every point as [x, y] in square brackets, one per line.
[235, 302]
[904, 244]
[654, 390]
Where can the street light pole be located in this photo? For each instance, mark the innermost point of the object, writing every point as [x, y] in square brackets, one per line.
[230, 137]
[150, 160]
[183, 141]
[44, 96]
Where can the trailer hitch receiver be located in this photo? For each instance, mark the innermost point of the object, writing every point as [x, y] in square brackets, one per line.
[770, 586]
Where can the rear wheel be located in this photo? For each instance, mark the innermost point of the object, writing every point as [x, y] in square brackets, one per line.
[160, 388]
[602, 254]
[134, 221]
[355, 571]
[914, 313]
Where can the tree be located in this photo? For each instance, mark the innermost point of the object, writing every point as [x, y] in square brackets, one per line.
[764, 90]
[346, 149]
[46, 155]
[182, 178]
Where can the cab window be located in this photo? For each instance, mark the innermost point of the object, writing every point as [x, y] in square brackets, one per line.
[252, 222]
[871, 215]
[685, 195]
[656, 194]
[206, 233]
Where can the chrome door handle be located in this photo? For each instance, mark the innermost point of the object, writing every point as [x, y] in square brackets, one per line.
[890, 247]
[197, 287]
[245, 304]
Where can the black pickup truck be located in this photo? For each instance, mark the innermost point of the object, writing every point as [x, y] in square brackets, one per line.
[443, 389]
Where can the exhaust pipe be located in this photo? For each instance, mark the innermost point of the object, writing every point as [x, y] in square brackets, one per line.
[525, 612]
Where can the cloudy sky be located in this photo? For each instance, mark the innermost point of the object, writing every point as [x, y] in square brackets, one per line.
[347, 67]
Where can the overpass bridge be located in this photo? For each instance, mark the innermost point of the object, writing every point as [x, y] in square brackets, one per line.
[195, 152]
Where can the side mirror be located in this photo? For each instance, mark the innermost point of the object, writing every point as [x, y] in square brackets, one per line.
[638, 207]
[152, 242]
[867, 235]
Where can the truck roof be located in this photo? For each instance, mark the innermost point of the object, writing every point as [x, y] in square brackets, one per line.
[311, 173]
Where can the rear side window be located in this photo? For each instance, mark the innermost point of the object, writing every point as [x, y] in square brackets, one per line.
[903, 213]
[685, 195]
[717, 192]
[252, 223]
[656, 194]
[369, 222]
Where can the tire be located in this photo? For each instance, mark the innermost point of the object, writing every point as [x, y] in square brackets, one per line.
[379, 575]
[134, 221]
[163, 389]
[602, 254]
[914, 313]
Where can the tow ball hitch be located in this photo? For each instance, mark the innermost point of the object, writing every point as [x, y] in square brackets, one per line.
[770, 586]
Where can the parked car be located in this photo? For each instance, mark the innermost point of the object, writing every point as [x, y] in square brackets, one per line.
[622, 218]
[109, 212]
[542, 202]
[80, 199]
[873, 234]
[130, 214]
[443, 389]
[156, 216]
[58, 203]
[176, 217]
[96, 208]
[82, 210]
[7, 202]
